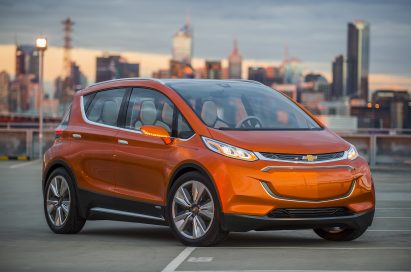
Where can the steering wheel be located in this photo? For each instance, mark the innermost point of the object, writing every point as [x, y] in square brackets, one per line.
[250, 122]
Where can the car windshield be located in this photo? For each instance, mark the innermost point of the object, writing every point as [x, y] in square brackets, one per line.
[231, 105]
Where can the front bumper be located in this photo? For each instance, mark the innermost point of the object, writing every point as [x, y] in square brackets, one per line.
[240, 186]
[242, 223]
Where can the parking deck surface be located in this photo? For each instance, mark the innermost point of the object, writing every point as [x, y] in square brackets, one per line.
[26, 243]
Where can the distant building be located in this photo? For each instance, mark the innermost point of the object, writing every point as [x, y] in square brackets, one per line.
[292, 70]
[224, 73]
[394, 106]
[162, 73]
[23, 90]
[234, 63]
[181, 70]
[79, 80]
[113, 67]
[387, 109]
[338, 107]
[66, 87]
[213, 69]
[358, 59]
[27, 61]
[273, 75]
[257, 74]
[339, 78]
[4, 91]
[183, 44]
[312, 77]
[318, 84]
[23, 96]
[267, 75]
[287, 89]
[311, 94]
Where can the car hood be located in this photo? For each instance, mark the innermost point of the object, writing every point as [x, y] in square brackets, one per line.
[286, 142]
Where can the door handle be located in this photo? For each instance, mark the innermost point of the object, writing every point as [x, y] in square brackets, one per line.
[120, 141]
[77, 136]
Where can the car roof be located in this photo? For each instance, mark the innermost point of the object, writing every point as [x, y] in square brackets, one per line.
[166, 81]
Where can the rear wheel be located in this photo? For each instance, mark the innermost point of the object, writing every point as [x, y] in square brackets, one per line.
[340, 233]
[194, 211]
[60, 203]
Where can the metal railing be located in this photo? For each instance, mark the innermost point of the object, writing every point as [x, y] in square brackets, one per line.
[378, 147]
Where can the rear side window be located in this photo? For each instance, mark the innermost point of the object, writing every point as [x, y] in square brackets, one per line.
[66, 117]
[105, 107]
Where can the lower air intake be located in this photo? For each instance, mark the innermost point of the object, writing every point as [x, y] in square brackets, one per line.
[310, 213]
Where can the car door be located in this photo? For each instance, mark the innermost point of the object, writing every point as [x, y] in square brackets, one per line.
[95, 141]
[142, 159]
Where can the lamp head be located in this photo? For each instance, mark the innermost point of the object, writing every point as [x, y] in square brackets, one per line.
[41, 43]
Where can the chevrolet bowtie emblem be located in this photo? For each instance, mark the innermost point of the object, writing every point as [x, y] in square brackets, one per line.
[310, 157]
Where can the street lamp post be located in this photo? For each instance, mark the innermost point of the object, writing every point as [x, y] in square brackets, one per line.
[41, 45]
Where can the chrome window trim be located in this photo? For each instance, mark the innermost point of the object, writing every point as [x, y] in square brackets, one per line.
[130, 214]
[292, 167]
[273, 195]
[85, 119]
[185, 140]
[263, 158]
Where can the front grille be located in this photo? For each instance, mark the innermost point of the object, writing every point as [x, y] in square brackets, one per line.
[309, 213]
[302, 157]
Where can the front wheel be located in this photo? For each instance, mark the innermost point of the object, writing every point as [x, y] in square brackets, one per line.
[340, 233]
[194, 211]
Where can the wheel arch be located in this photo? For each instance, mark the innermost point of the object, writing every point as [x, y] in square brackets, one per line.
[53, 166]
[191, 167]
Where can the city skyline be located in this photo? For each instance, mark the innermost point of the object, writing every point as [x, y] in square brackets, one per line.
[389, 67]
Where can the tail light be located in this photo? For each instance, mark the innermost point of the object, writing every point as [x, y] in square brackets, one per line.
[58, 132]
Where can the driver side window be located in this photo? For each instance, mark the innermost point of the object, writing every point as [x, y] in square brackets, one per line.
[148, 107]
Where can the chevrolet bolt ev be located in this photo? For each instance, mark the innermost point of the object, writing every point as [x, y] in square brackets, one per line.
[204, 157]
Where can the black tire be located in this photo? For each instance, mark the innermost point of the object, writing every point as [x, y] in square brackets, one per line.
[73, 222]
[215, 234]
[346, 234]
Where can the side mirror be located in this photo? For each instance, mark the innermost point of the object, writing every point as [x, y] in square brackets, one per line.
[157, 131]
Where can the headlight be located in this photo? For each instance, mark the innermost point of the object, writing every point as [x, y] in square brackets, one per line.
[229, 150]
[352, 153]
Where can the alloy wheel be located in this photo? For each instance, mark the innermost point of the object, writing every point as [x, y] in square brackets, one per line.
[58, 201]
[193, 209]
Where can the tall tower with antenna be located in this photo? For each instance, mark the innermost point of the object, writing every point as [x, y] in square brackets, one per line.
[68, 29]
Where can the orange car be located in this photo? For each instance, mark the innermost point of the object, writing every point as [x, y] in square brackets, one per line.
[205, 157]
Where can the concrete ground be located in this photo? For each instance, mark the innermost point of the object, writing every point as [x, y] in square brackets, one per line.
[26, 243]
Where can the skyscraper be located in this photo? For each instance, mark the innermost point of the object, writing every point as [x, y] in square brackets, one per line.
[27, 60]
[358, 59]
[339, 77]
[183, 44]
[234, 63]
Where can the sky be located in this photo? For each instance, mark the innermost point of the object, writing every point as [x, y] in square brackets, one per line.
[313, 31]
